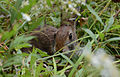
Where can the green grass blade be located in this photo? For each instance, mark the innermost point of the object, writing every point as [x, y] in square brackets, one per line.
[67, 59]
[75, 66]
[55, 66]
[49, 3]
[92, 35]
[94, 13]
[113, 39]
[111, 21]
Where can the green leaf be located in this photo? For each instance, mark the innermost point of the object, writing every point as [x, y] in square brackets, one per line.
[55, 21]
[15, 28]
[67, 59]
[111, 21]
[7, 35]
[26, 72]
[42, 54]
[114, 27]
[13, 12]
[113, 39]
[55, 66]
[101, 35]
[32, 2]
[39, 68]
[61, 72]
[20, 40]
[88, 47]
[94, 13]
[18, 4]
[25, 45]
[92, 35]
[24, 9]
[36, 23]
[79, 73]
[27, 8]
[4, 8]
[75, 66]
[33, 60]
[49, 3]
[13, 60]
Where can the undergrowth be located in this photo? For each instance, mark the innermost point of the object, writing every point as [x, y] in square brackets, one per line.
[98, 38]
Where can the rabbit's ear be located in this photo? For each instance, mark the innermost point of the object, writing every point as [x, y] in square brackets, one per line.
[72, 24]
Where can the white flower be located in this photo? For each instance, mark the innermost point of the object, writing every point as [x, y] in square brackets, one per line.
[74, 10]
[24, 3]
[26, 17]
[83, 2]
[101, 59]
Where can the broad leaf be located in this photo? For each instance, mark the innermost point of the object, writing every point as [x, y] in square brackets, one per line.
[92, 35]
[113, 39]
[55, 66]
[67, 59]
[111, 21]
[94, 13]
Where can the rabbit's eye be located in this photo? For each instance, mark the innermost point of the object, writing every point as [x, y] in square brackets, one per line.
[70, 36]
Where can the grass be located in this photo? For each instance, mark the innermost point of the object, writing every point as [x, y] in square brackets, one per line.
[98, 39]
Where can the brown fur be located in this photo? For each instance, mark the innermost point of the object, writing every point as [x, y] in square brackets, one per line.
[45, 39]
[62, 37]
[51, 39]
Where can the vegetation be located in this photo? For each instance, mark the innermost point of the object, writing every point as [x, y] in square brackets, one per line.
[98, 31]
